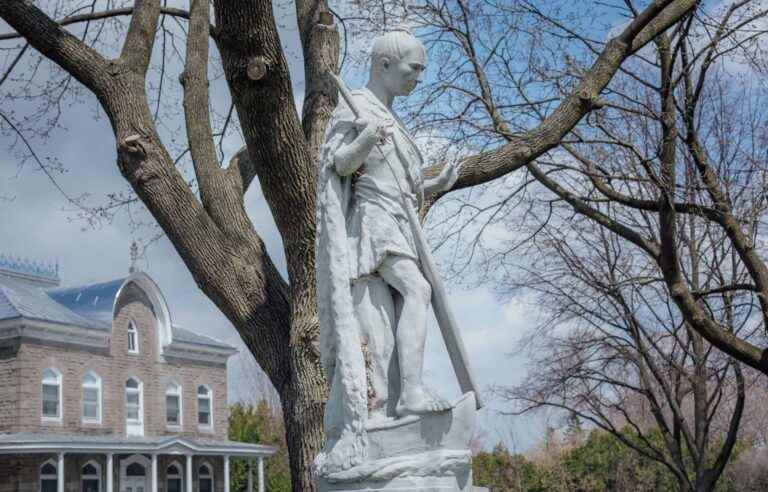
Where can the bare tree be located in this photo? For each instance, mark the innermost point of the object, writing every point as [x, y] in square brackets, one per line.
[615, 170]
[207, 223]
[615, 352]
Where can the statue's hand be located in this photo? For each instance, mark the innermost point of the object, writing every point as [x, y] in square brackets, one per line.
[445, 180]
[380, 129]
[350, 157]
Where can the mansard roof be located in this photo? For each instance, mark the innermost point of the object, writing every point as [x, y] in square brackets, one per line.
[91, 307]
[19, 299]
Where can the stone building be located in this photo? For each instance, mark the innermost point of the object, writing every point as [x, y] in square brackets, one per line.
[100, 392]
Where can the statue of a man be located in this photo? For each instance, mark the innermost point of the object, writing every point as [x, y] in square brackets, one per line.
[373, 298]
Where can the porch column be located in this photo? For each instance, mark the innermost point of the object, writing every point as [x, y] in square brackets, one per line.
[110, 472]
[262, 485]
[250, 474]
[154, 472]
[226, 473]
[60, 474]
[189, 473]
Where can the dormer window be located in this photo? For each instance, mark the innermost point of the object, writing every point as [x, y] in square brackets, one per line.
[51, 393]
[133, 339]
[204, 407]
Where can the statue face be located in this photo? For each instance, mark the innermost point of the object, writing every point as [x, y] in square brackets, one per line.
[401, 76]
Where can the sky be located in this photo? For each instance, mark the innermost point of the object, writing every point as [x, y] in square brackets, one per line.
[38, 223]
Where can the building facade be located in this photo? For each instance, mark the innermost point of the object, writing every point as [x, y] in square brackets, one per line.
[101, 392]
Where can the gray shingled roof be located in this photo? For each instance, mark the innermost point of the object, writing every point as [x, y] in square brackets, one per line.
[88, 306]
[186, 336]
[19, 299]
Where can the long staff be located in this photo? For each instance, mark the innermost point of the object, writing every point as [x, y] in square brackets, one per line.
[445, 318]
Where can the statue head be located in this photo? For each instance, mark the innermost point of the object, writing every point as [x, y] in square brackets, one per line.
[398, 60]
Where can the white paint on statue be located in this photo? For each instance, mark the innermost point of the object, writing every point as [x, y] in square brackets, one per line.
[382, 424]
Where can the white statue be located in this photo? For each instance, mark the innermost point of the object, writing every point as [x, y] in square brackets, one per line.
[375, 276]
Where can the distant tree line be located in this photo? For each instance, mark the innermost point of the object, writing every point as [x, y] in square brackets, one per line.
[597, 461]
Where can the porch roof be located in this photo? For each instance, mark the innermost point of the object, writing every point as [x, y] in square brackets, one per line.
[30, 442]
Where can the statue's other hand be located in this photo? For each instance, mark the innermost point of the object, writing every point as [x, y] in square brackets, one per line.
[448, 175]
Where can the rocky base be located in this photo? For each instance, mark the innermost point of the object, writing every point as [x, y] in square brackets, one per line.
[407, 484]
[429, 453]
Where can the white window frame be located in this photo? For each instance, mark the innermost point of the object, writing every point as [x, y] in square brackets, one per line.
[134, 427]
[207, 476]
[178, 475]
[97, 387]
[209, 397]
[174, 389]
[96, 477]
[48, 477]
[60, 406]
[133, 331]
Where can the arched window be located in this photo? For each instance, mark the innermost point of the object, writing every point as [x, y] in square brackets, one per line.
[91, 398]
[90, 477]
[205, 478]
[204, 398]
[134, 407]
[173, 405]
[48, 477]
[173, 478]
[133, 474]
[51, 389]
[133, 338]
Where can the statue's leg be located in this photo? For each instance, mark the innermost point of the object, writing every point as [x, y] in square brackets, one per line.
[375, 314]
[404, 275]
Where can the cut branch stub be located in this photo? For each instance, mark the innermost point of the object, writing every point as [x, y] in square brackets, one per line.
[324, 17]
[257, 68]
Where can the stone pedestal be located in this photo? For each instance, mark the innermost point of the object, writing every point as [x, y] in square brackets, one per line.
[428, 453]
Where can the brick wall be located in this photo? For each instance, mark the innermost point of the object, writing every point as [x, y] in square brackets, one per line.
[9, 386]
[22, 376]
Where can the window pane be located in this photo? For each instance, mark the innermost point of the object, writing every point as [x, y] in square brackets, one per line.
[204, 411]
[131, 341]
[202, 391]
[172, 470]
[50, 401]
[50, 393]
[48, 469]
[89, 469]
[206, 485]
[90, 485]
[132, 398]
[174, 485]
[91, 410]
[132, 412]
[172, 409]
[49, 376]
[91, 394]
[90, 379]
[48, 485]
[132, 383]
[135, 470]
